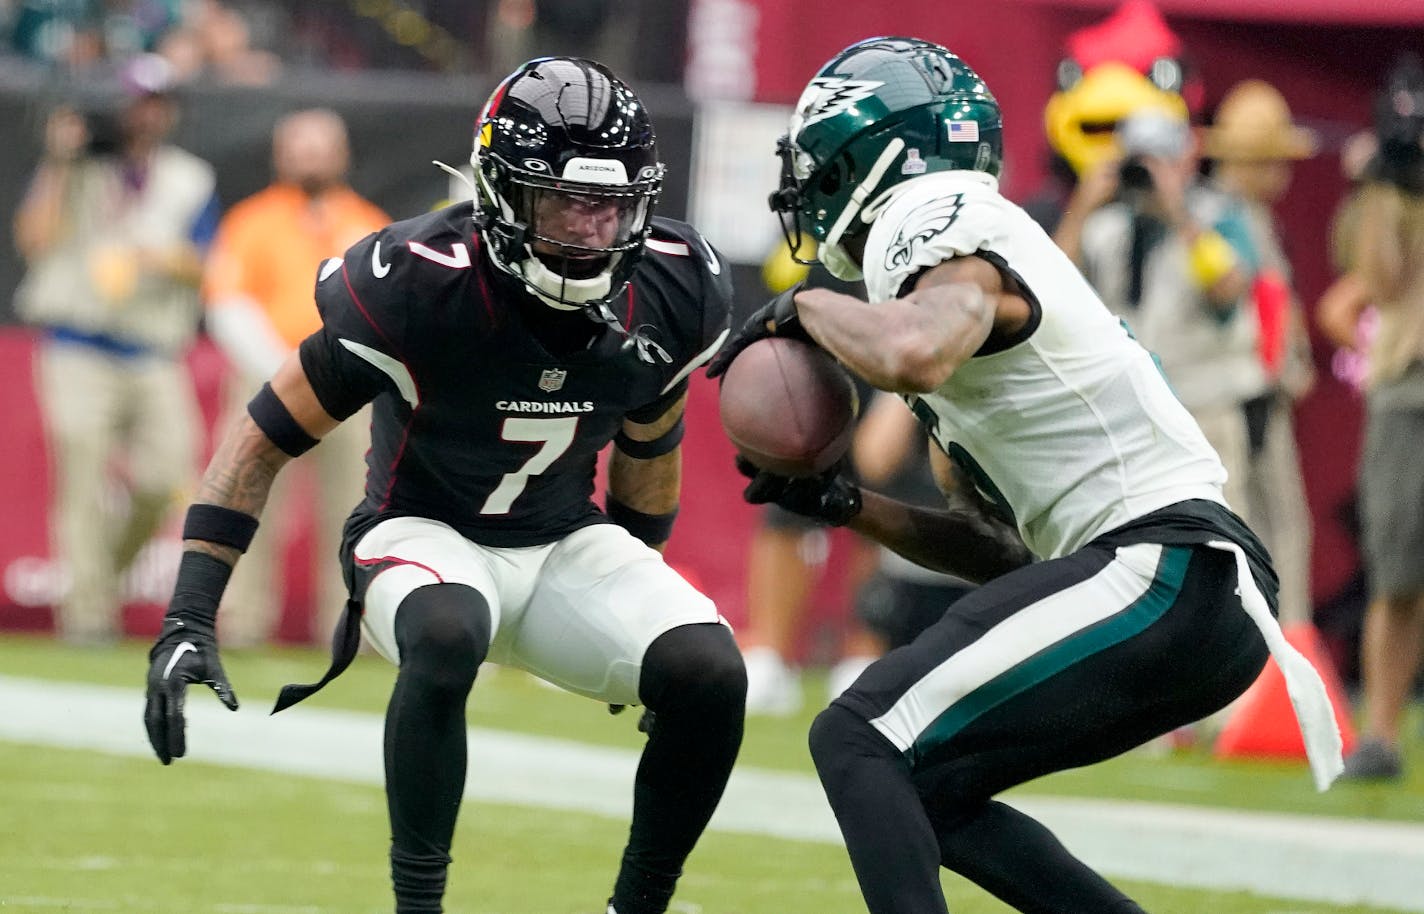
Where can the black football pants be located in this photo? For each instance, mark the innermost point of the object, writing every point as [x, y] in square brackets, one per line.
[1060, 664]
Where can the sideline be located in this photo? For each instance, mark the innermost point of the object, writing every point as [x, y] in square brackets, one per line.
[1313, 858]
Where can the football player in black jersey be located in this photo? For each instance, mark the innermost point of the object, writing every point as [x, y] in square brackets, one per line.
[504, 344]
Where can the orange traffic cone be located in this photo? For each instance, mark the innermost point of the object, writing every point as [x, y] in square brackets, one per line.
[1262, 723]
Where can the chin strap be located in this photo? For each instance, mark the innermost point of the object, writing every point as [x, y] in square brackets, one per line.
[556, 289]
[832, 254]
[648, 351]
[600, 311]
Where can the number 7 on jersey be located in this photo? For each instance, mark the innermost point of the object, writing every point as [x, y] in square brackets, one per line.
[555, 436]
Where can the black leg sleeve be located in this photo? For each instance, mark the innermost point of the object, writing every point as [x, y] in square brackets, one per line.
[887, 833]
[694, 683]
[1021, 862]
[443, 632]
[897, 841]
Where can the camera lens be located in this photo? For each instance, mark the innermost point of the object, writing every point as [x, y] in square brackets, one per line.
[105, 133]
[1134, 175]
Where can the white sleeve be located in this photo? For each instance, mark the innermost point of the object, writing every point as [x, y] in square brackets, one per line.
[246, 337]
[925, 228]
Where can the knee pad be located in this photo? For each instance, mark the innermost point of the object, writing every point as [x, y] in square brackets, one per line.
[693, 667]
[443, 632]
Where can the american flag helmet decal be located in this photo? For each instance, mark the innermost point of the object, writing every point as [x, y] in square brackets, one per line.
[963, 132]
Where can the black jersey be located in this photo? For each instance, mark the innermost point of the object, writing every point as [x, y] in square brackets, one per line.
[476, 423]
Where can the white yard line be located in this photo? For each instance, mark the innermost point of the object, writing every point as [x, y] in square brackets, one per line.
[31, 902]
[1343, 861]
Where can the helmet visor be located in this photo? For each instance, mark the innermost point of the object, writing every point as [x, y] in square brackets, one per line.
[577, 224]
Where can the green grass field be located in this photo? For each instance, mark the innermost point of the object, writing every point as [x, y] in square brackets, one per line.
[89, 832]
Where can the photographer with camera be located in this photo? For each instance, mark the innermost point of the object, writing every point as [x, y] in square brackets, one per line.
[1171, 256]
[1384, 256]
[112, 228]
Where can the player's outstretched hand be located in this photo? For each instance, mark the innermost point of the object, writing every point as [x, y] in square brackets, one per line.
[775, 318]
[186, 652]
[827, 497]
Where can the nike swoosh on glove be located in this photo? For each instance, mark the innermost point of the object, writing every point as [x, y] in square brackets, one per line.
[186, 652]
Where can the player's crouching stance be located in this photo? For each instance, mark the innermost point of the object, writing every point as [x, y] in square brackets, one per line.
[1150, 603]
[504, 346]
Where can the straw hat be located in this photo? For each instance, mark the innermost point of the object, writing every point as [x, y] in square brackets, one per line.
[1253, 123]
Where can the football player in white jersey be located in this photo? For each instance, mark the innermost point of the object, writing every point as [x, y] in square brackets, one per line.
[1123, 598]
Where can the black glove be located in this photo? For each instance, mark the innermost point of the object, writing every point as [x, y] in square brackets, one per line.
[186, 652]
[828, 497]
[775, 318]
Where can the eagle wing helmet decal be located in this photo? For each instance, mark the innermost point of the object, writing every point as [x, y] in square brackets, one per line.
[827, 96]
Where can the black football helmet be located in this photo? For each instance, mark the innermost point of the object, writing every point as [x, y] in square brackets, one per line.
[565, 132]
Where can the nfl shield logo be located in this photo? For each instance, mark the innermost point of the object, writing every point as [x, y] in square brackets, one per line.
[551, 379]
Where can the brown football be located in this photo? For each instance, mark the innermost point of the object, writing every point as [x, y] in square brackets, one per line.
[788, 406]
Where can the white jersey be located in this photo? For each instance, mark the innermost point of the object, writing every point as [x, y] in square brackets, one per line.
[1071, 429]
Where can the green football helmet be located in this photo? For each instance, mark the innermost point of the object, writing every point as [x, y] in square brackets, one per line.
[881, 112]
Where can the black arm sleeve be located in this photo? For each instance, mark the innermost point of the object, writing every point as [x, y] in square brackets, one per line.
[342, 382]
[362, 318]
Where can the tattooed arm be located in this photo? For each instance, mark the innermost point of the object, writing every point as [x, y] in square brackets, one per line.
[650, 487]
[241, 472]
[238, 478]
[913, 344]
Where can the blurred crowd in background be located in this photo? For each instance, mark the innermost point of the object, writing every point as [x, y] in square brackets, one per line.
[248, 42]
[1167, 203]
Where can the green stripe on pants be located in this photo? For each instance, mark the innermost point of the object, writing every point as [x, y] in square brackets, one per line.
[1136, 618]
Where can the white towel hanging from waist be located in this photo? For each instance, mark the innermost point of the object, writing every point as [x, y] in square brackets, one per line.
[1306, 689]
